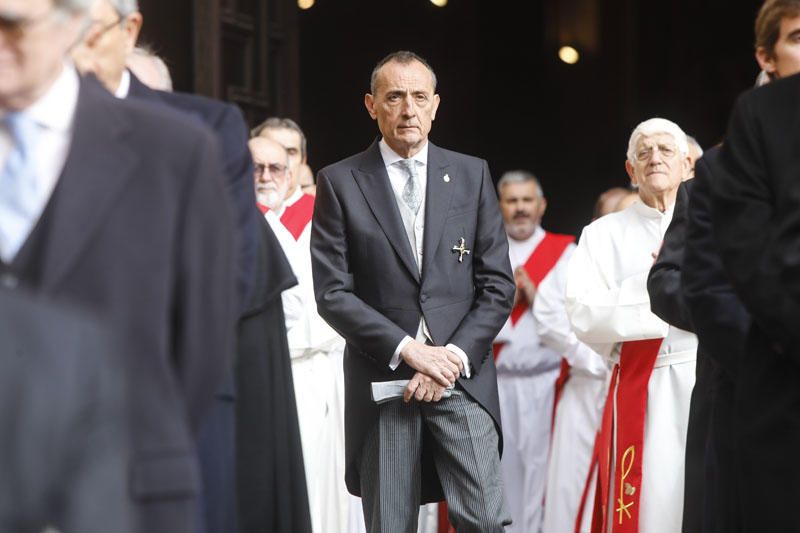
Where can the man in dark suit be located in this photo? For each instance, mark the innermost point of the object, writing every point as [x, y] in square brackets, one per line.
[65, 447]
[756, 210]
[668, 303]
[411, 267]
[721, 323]
[104, 52]
[106, 204]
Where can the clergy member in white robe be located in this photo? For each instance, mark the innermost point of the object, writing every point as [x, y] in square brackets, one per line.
[582, 396]
[527, 369]
[578, 410]
[641, 487]
[314, 347]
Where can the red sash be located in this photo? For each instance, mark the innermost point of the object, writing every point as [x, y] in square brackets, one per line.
[262, 208]
[561, 380]
[297, 216]
[538, 265]
[627, 393]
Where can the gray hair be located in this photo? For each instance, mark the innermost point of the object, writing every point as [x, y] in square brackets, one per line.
[73, 6]
[403, 57]
[519, 176]
[125, 7]
[147, 52]
[655, 126]
[278, 123]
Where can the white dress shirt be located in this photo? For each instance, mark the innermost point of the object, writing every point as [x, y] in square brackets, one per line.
[54, 114]
[414, 225]
[124, 86]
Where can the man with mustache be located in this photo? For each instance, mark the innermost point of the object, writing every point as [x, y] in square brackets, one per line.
[527, 369]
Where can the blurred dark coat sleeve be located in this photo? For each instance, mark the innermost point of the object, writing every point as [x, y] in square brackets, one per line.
[721, 320]
[664, 281]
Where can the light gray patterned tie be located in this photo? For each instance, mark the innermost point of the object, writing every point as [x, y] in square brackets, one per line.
[411, 193]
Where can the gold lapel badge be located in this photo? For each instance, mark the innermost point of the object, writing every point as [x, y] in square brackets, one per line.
[460, 248]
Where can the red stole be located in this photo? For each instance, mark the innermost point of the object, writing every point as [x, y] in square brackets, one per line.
[297, 216]
[629, 379]
[538, 265]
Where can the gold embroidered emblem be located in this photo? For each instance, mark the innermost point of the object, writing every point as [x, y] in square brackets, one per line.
[625, 489]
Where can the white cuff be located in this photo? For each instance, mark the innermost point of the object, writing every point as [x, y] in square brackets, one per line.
[395, 362]
[460, 353]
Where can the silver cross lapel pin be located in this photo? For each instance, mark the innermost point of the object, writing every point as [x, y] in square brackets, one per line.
[460, 249]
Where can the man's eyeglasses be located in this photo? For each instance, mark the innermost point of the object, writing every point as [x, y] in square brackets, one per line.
[276, 170]
[14, 26]
[646, 153]
[95, 35]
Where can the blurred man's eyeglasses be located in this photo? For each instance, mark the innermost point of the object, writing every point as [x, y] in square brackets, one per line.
[276, 170]
[666, 151]
[95, 35]
[14, 26]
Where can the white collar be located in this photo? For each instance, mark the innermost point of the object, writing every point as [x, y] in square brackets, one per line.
[55, 110]
[536, 237]
[390, 157]
[124, 85]
[651, 212]
[296, 195]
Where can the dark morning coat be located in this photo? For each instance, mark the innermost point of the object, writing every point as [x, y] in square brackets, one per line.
[369, 289]
[216, 441]
[270, 475]
[721, 323]
[755, 205]
[667, 301]
[135, 232]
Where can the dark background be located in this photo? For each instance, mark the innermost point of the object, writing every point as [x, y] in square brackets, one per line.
[505, 95]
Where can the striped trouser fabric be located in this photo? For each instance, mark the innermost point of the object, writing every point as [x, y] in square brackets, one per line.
[466, 459]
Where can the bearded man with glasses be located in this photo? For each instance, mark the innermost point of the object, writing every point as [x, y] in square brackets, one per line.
[315, 348]
[639, 452]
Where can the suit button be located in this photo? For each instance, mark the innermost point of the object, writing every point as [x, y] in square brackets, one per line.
[9, 281]
[423, 298]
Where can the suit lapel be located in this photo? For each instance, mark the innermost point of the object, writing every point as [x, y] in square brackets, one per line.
[438, 194]
[98, 165]
[373, 181]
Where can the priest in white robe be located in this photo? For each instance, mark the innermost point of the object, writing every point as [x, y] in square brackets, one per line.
[314, 347]
[527, 369]
[578, 411]
[640, 447]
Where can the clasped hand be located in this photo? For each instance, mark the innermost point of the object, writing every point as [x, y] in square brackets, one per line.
[437, 368]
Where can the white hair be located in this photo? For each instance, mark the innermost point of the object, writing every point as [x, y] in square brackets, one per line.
[165, 81]
[655, 126]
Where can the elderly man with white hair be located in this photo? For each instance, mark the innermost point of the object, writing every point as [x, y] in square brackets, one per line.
[639, 452]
